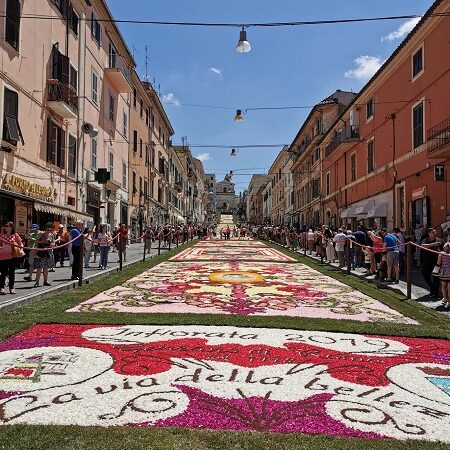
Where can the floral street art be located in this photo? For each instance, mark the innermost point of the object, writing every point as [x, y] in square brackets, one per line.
[227, 378]
[243, 288]
[249, 253]
[249, 243]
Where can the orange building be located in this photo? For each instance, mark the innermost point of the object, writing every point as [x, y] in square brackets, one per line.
[385, 159]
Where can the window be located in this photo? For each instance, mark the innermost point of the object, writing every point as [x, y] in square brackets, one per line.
[12, 30]
[94, 153]
[146, 155]
[111, 108]
[147, 116]
[111, 165]
[56, 144]
[370, 156]
[224, 189]
[73, 79]
[142, 108]
[134, 182]
[125, 124]
[140, 187]
[159, 132]
[145, 188]
[135, 139]
[370, 108]
[417, 62]
[353, 167]
[74, 21]
[327, 184]
[112, 56]
[141, 144]
[72, 155]
[418, 123]
[94, 87]
[96, 29]
[11, 127]
[124, 175]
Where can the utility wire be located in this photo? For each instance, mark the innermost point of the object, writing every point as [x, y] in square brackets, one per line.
[240, 25]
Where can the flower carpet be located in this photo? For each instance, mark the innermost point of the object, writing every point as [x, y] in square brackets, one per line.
[233, 242]
[247, 253]
[244, 288]
[227, 378]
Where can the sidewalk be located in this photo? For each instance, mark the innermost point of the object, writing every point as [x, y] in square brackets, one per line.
[60, 278]
[419, 292]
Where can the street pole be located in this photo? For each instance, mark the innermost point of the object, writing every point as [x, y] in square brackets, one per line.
[81, 262]
[409, 262]
[145, 245]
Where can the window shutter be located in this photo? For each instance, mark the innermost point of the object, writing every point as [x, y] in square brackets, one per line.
[12, 23]
[64, 68]
[62, 149]
[55, 63]
[49, 140]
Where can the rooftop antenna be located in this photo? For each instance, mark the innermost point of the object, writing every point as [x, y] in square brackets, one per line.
[147, 60]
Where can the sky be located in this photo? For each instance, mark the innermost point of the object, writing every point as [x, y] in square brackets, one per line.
[288, 66]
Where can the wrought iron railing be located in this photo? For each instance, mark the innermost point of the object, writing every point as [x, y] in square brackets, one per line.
[63, 92]
[438, 136]
[346, 134]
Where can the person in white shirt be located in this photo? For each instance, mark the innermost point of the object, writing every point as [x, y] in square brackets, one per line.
[339, 245]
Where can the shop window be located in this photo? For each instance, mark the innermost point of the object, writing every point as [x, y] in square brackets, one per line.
[418, 124]
[11, 127]
[401, 219]
[12, 30]
[417, 62]
[72, 155]
[56, 144]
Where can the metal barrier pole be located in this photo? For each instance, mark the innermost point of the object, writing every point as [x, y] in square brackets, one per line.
[409, 263]
[321, 249]
[349, 256]
[304, 241]
[81, 262]
[169, 238]
[145, 246]
[120, 252]
[159, 244]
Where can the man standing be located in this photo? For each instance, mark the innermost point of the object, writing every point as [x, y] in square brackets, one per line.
[401, 248]
[76, 249]
[391, 246]
[361, 241]
[31, 241]
[428, 260]
[339, 241]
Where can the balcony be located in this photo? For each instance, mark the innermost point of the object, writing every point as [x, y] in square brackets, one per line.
[118, 74]
[438, 140]
[62, 99]
[344, 139]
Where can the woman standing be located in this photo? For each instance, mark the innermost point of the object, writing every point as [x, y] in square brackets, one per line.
[103, 240]
[8, 238]
[444, 263]
[87, 247]
[44, 258]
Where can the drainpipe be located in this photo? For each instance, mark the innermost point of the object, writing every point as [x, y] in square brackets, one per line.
[393, 117]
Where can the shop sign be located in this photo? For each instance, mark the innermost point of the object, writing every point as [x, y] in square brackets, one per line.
[34, 190]
[21, 219]
[439, 172]
[419, 193]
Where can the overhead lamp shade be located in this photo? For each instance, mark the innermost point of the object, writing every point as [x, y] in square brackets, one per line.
[238, 117]
[233, 152]
[243, 46]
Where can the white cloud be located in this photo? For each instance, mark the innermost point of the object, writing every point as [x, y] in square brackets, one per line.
[171, 99]
[366, 66]
[402, 30]
[217, 71]
[203, 157]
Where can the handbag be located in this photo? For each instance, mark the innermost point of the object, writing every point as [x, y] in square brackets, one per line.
[42, 254]
[437, 271]
[18, 252]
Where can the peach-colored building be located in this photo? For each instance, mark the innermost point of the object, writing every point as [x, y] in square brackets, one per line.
[56, 76]
[394, 171]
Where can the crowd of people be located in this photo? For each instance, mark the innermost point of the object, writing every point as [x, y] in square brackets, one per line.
[41, 250]
[381, 252]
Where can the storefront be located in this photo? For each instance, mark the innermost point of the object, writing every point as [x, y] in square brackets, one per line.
[93, 203]
[419, 209]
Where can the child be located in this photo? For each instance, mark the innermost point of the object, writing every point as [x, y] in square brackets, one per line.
[367, 258]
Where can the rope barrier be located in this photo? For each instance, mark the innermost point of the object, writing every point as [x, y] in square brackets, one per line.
[56, 247]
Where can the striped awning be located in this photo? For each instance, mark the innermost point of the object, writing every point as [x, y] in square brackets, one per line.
[62, 211]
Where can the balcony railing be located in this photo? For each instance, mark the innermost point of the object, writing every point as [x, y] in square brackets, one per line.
[439, 136]
[63, 92]
[118, 73]
[349, 133]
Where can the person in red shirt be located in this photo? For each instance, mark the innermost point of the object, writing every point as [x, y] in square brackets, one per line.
[8, 238]
[123, 240]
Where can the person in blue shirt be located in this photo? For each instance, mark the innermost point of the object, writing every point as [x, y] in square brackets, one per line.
[391, 246]
[76, 249]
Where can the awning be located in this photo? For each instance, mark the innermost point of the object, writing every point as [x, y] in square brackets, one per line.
[378, 211]
[347, 213]
[62, 211]
[364, 208]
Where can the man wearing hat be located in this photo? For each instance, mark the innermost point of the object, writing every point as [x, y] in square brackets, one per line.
[76, 248]
[31, 241]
